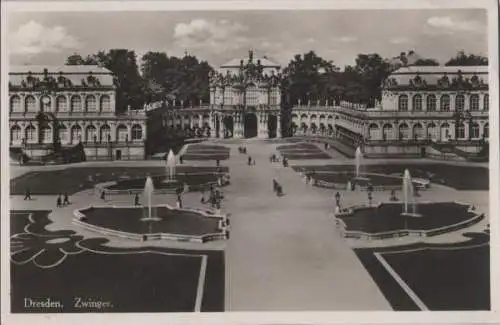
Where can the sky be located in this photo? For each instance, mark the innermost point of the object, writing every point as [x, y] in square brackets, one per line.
[47, 38]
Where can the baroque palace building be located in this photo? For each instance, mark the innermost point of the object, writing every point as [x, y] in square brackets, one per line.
[62, 107]
[424, 111]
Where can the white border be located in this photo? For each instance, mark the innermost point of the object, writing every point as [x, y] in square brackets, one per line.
[260, 317]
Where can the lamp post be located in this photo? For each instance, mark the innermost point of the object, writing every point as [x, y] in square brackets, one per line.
[95, 146]
[128, 148]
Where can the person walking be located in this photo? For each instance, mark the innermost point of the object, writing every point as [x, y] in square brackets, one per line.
[136, 200]
[66, 199]
[27, 195]
[103, 195]
[249, 160]
[58, 201]
[337, 199]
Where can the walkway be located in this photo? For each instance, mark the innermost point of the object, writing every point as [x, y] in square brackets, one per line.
[284, 253]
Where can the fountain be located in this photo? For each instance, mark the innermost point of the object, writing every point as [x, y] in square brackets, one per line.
[170, 167]
[148, 194]
[409, 196]
[357, 160]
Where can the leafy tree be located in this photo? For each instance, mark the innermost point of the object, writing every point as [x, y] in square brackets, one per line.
[426, 62]
[463, 59]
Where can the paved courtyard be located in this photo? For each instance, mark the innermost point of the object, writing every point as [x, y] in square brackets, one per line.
[284, 253]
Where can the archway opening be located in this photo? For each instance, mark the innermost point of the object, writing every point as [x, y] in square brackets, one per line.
[272, 126]
[251, 125]
[228, 127]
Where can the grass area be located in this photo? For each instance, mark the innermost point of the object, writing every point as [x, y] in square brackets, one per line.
[72, 180]
[450, 277]
[150, 279]
[439, 173]
[387, 217]
[172, 221]
[304, 156]
[202, 156]
[158, 181]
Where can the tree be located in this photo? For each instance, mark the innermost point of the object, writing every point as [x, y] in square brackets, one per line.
[463, 59]
[426, 62]
[372, 70]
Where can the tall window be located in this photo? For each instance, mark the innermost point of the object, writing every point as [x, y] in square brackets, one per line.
[61, 104]
[418, 131]
[105, 103]
[486, 102]
[15, 134]
[432, 131]
[486, 131]
[475, 131]
[121, 133]
[105, 133]
[90, 103]
[403, 131]
[30, 134]
[30, 104]
[252, 96]
[136, 132]
[15, 104]
[460, 131]
[46, 134]
[417, 103]
[76, 134]
[373, 131]
[459, 103]
[76, 104]
[474, 102]
[445, 103]
[387, 132]
[63, 134]
[403, 103]
[431, 103]
[91, 134]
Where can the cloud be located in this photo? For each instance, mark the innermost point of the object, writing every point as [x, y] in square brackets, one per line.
[399, 40]
[34, 38]
[213, 36]
[450, 24]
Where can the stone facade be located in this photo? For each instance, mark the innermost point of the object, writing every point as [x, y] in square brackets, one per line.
[80, 102]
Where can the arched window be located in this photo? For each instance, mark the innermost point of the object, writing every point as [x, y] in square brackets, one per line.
[105, 103]
[76, 134]
[373, 131]
[460, 131]
[387, 132]
[417, 103]
[46, 133]
[252, 96]
[403, 103]
[475, 131]
[445, 103]
[61, 104]
[432, 131]
[90, 103]
[431, 103]
[30, 134]
[91, 134]
[474, 102]
[15, 104]
[30, 104]
[136, 132]
[45, 104]
[418, 131]
[76, 104]
[445, 131]
[15, 134]
[486, 102]
[403, 131]
[486, 131]
[459, 103]
[105, 133]
[121, 133]
[63, 133]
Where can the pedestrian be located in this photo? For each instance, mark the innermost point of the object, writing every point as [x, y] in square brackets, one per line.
[179, 202]
[136, 200]
[202, 199]
[58, 201]
[217, 162]
[337, 198]
[103, 195]
[27, 195]
[275, 184]
[181, 160]
[66, 199]
[249, 160]
[279, 190]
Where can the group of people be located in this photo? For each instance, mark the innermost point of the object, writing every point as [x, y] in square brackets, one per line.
[242, 149]
[251, 161]
[276, 158]
[214, 199]
[277, 188]
[62, 201]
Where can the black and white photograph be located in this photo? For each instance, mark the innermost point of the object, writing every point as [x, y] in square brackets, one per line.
[198, 159]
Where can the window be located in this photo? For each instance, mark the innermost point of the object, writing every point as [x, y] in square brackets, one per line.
[30, 134]
[418, 131]
[61, 104]
[445, 131]
[136, 132]
[63, 134]
[432, 131]
[474, 102]
[91, 103]
[76, 104]
[486, 131]
[76, 134]
[373, 131]
[91, 134]
[15, 134]
[403, 103]
[252, 96]
[445, 103]
[45, 104]
[30, 103]
[486, 102]
[121, 133]
[403, 131]
[15, 104]
[105, 133]
[417, 103]
[431, 103]
[460, 131]
[387, 131]
[475, 131]
[46, 133]
[459, 103]
[105, 103]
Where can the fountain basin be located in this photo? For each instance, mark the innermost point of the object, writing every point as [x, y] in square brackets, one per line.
[386, 220]
[379, 182]
[166, 223]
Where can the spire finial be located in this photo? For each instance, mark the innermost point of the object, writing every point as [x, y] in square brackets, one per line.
[250, 55]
